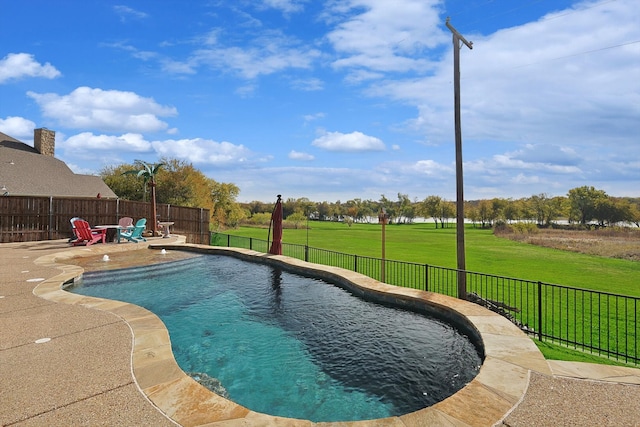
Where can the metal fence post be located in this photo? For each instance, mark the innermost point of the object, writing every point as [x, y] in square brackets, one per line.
[426, 277]
[539, 311]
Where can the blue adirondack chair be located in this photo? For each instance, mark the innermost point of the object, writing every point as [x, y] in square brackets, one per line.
[135, 235]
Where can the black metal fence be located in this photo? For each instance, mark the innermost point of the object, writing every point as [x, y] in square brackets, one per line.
[597, 322]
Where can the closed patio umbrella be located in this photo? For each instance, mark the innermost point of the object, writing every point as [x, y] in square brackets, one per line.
[276, 223]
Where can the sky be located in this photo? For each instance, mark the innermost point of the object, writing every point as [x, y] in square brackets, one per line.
[337, 99]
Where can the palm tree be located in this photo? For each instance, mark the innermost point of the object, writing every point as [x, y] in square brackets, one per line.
[148, 172]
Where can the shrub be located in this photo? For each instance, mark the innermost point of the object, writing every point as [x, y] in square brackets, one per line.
[525, 228]
[262, 219]
[515, 228]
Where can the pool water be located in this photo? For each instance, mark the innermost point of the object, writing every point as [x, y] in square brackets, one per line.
[294, 346]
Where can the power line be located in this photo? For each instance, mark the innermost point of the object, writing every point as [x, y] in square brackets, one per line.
[513, 10]
[577, 54]
[484, 19]
[551, 18]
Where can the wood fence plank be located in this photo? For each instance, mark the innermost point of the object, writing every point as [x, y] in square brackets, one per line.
[27, 218]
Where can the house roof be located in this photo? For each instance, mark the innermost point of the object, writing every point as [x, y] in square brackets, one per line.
[26, 172]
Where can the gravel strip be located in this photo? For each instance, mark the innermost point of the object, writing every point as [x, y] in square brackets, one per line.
[559, 401]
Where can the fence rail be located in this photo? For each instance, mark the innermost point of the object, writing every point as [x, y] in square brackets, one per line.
[28, 218]
[596, 322]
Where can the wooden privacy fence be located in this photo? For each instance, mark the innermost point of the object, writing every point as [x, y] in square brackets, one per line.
[28, 218]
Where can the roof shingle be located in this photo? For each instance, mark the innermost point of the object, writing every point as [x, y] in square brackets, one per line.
[26, 172]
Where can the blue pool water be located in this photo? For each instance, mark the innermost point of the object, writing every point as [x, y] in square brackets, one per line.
[294, 346]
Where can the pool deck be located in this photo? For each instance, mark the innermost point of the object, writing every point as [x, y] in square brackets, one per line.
[67, 360]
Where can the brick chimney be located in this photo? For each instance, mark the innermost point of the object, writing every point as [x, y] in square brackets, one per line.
[44, 140]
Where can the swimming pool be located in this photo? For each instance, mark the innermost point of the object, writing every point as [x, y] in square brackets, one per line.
[294, 346]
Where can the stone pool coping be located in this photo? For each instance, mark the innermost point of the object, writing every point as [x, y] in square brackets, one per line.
[500, 385]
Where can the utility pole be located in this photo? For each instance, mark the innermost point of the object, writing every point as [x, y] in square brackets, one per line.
[462, 273]
[382, 219]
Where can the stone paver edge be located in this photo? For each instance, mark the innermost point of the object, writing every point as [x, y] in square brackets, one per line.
[485, 401]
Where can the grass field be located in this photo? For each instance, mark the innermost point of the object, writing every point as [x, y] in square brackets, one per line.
[485, 253]
[488, 254]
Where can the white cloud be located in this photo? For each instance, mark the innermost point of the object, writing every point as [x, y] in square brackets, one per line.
[352, 142]
[548, 154]
[286, 6]
[312, 117]
[178, 67]
[433, 169]
[297, 155]
[383, 35]
[81, 170]
[126, 12]
[508, 162]
[203, 151]
[267, 53]
[144, 55]
[246, 91]
[307, 85]
[107, 110]
[250, 62]
[17, 127]
[18, 65]
[87, 141]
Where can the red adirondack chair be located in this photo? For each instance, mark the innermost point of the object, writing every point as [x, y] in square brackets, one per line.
[87, 235]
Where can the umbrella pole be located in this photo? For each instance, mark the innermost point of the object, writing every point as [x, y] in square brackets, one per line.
[273, 211]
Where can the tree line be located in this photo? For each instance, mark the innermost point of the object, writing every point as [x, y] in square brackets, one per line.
[179, 183]
[582, 206]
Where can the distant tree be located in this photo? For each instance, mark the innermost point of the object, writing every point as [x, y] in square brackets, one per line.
[497, 208]
[611, 211]
[447, 211]
[260, 218]
[336, 211]
[305, 206]
[297, 219]
[127, 187]
[634, 213]
[472, 213]
[537, 204]
[485, 213]
[324, 211]
[226, 211]
[358, 209]
[289, 206]
[405, 209]
[183, 185]
[555, 209]
[583, 202]
[430, 208]
[525, 209]
[510, 211]
[255, 207]
[390, 208]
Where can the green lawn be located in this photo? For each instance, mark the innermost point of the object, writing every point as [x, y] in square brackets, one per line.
[485, 253]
